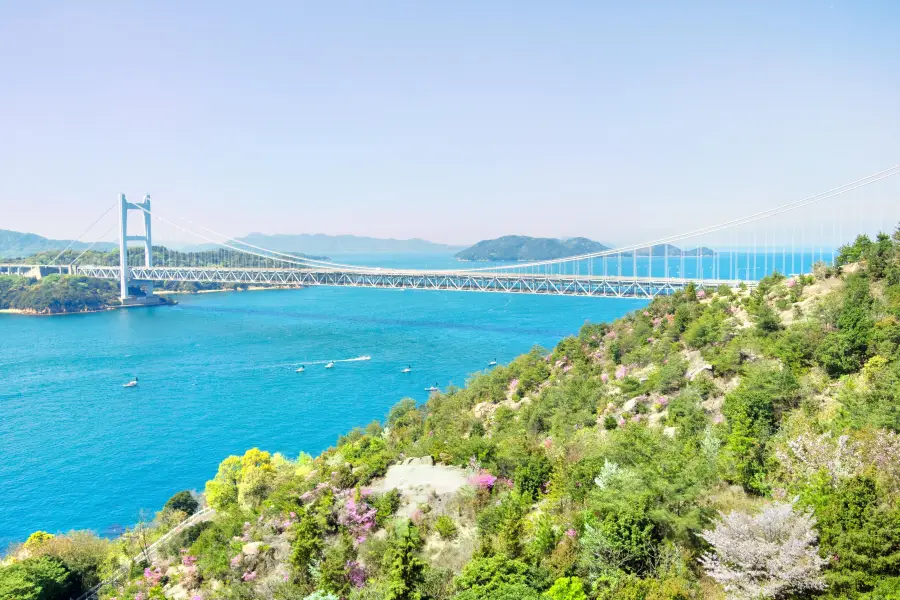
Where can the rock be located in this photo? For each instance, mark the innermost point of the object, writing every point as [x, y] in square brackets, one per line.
[630, 404]
[693, 373]
[669, 431]
[176, 592]
[251, 549]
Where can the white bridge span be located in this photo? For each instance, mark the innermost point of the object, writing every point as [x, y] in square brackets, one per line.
[460, 281]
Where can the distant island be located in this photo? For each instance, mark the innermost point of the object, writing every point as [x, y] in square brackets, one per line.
[15, 244]
[525, 248]
[522, 247]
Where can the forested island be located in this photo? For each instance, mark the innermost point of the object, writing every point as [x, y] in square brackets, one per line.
[524, 248]
[719, 443]
[57, 294]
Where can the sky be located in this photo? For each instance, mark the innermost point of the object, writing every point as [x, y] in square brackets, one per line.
[449, 121]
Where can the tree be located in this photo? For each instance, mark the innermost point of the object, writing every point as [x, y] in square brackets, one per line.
[407, 569]
[182, 501]
[566, 588]
[768, 555]
[222, 490]
[41, 578]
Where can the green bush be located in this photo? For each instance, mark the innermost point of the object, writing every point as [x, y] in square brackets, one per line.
[182, 501]
[445, 527]
[41, 578]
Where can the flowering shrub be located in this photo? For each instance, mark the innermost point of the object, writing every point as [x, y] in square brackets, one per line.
[249, 576]
[356, 574]
[769, 555]
[359, 518]
[483, 480]
[807, 455]
[621, 372]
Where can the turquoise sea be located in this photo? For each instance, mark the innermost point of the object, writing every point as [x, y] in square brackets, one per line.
[79, 451]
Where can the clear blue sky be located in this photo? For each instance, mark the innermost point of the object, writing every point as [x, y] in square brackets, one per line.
[451, 121]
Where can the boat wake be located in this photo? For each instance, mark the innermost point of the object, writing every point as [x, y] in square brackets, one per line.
[335, 360]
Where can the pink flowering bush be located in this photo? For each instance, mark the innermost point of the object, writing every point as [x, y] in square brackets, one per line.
[356, 574]
[611, 335]
[483, 480]
[604, 378]
[188, 561]
[358, 517]
[621, 372]
[249, 576]
[701, 294]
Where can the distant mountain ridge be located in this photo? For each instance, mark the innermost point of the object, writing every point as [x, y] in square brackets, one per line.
[523, 247]
[320, 243]
[16, 244]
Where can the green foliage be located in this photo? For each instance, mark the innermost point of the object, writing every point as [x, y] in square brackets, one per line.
[182, 501]
[566, 588]
[487, 574]
[407, 569]
[41, 578]
[445, 527]
[844, 351]
[57, 293]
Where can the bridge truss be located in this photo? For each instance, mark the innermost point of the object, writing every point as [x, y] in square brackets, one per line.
[462, 281]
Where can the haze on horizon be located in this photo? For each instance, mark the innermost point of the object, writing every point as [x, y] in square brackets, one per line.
[451, 123]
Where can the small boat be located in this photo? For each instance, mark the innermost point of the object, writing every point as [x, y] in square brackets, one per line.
[493, 363]
[300, 369]
[433, 388]
[330, 365]
[132, 383]
[406, 370]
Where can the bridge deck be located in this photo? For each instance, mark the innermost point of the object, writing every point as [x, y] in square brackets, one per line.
[461, 280]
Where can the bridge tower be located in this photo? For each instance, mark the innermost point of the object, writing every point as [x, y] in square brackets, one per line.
[124, 238]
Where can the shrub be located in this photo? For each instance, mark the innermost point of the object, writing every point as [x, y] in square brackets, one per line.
[182, 501]
[566, 588]
[41, 578]
[445, 527]
[769, 555]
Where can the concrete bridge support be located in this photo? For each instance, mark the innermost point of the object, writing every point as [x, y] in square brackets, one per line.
[124, 238]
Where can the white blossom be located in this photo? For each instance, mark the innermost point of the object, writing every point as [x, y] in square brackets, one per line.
[807, 455]
[768, 555]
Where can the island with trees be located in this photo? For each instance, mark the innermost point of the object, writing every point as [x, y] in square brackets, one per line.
[511, 248]
[719, 443]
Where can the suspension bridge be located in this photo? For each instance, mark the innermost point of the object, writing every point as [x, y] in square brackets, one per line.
[790, 238]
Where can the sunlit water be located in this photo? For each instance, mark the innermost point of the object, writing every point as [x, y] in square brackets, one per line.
[77, 450]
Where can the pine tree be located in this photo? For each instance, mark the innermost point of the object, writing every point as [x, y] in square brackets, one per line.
[407, 569]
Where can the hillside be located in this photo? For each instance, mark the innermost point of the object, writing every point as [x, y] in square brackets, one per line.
[524, 248]
[14, 244]
[521, 247]
[717, 444]
[320, 243]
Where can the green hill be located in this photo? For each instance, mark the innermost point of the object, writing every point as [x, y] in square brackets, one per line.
[14, 244]
[717, 444]
[524, 248]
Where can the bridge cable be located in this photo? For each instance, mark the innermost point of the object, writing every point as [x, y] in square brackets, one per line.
[83, 233]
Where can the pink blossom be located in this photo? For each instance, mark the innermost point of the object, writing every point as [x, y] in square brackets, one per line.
[249, 575]
[701, 294]
[188, 561]
[196, 597]
[621, 372]
[604, 378]
[548, 443]
[293, 515]
[657, 321]
[236, 562]
[663, 401]
[571, 533]
[483, 480]
[140, 596]
[611, 335]
[356, 574]
[646, 313]
[791, 283]
[359, 518]
[636, 419]
[621, 422]
[649, 340]
[513, 385]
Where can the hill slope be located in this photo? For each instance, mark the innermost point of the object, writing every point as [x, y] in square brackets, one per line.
[521, 247]
[740, 438]
[14, 244]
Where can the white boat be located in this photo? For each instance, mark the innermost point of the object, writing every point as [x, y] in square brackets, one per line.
[132, 383]
[433, 388]
[300, 369]
[330, 365]
[493, 363]
[406, 370]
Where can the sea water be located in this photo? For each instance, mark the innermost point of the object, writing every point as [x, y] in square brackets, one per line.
[217, 376]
